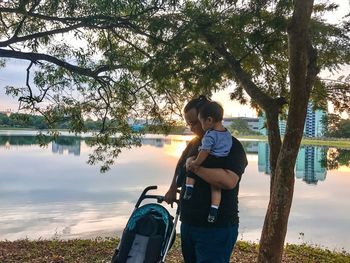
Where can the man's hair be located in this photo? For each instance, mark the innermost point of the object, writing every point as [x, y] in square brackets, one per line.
[212, 109]
[196, 103]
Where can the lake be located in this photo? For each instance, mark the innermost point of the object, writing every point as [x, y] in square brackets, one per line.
[52, 192]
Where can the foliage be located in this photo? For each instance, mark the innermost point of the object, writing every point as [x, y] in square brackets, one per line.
[255, 34]
[336, 157]
[240, 127]
[146, 58]
[112, 60]
[87, 59]
[336, 126]
[18, 120]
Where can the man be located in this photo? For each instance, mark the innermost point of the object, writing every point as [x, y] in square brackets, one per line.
[201, 241]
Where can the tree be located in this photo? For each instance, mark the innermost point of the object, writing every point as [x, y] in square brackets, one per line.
[336, 126]
[273, 51]
[86, 57]
[240, 126]
[152, 55]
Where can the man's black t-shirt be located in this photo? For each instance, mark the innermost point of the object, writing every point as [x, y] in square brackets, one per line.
[195, 210]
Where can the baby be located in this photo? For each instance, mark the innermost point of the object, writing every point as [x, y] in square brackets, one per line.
[216, 145]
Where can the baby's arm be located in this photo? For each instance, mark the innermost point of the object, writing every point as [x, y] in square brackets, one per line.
[207, 143]
[202, 155]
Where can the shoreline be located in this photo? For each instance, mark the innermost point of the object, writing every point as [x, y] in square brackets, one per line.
[331, 142]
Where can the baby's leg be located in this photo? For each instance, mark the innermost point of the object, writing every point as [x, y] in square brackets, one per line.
[190, 181]
[215, 202]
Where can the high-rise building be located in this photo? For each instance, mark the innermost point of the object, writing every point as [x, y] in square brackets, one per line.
[313, 123]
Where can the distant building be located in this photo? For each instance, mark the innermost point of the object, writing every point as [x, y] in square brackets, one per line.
[262, 126]
[253, 123]
[313, 123]
[137, 125]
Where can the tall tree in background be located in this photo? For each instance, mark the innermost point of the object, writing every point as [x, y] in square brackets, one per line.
[116, 59]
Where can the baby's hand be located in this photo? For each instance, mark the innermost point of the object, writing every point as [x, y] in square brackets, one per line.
[188, 162]
[193, 166]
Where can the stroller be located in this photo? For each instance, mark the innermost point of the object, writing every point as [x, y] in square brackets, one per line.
[149, 233]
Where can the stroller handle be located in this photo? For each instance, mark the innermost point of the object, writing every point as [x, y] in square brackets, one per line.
[144, 195]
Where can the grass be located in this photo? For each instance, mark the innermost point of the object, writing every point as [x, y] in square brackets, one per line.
[336, 143]
[100, 250]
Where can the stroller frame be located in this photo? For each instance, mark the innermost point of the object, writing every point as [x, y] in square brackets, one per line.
[159, 199]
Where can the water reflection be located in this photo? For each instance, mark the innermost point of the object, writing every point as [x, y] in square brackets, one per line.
[312, 162]
[311, 165]
[46, 194]
[51, 191]
[336, 158]
[69, 144]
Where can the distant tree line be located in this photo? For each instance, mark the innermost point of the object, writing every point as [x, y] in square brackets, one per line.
[241, 127]
[336, 127]
[20, 120]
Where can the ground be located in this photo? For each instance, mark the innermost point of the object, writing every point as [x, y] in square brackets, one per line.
[100, 250]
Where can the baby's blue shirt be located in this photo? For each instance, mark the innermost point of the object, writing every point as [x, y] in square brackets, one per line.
[219, 143]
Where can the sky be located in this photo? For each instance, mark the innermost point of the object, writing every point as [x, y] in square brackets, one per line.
[14, 74]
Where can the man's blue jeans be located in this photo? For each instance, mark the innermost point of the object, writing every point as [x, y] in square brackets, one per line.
[207, 245]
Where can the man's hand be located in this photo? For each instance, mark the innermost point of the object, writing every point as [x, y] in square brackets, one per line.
[170, 196]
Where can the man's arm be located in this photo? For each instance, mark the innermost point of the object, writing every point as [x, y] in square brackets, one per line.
[227, 177]
[218, 177]
[191, 149]
[170, 195]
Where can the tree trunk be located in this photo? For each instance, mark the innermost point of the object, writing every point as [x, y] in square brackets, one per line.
[274, 139]
[301, 74]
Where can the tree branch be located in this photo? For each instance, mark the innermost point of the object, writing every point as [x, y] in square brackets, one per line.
[131, 44]
[264, 100]
[44, 57]
[109, 21]
[19, 27]
[16, 39]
